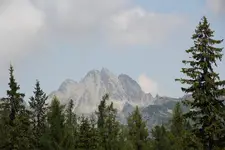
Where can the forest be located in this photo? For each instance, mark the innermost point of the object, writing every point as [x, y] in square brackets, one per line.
[53, 126]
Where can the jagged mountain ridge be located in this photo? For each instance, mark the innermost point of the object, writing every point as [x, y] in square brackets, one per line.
[88, 92]
[124, 92]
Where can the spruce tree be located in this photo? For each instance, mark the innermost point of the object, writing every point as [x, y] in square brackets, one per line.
[137, 130]
[179, 135]
[71, 127]
[107, 125]
[54, 137]
[112, 128]
[205, 86]
[38, 107]
[177, 121]
[94, 133]
[70, 116]
[161, 139]
[87, 135]
[16, 122]
[15, 98]
[101, 121]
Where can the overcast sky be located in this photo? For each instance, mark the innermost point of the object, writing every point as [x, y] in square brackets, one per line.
[52, 40]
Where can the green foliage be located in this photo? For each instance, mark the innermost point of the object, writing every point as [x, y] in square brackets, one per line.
[108, 126]
[15, 125]
[137, 129]
[38, 112]
[15, 98]
[71, 125]
[56, 126]
[160, 138]
[207, 110]
[88, 135]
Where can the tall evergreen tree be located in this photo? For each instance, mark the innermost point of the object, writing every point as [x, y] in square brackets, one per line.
[71, 127]
[15, 98]
[180, 137]
[161, 138]
[87, 135]
[177, 121]
[54, 137]
[207, 109]
[16, 120]
[137, 130]
[38, 107]
[70, 115]
[101, 121]
[112, 129]
[107, 125]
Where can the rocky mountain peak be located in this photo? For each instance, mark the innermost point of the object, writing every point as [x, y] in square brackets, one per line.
[88, 92]
[66, 84]
[124, 92]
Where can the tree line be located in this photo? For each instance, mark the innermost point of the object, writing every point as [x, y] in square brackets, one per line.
[42, 126]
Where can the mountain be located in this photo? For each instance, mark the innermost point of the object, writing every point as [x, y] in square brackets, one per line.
[88, 92]
[123, 91]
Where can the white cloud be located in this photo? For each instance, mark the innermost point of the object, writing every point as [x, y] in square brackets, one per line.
[77, 18]
[148, 85]
[138, 26]
[27, 25]
[20, 22]
[24, 22]
[217, 6]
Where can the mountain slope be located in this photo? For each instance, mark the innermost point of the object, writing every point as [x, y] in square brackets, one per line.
[88, 92]
[123, 91]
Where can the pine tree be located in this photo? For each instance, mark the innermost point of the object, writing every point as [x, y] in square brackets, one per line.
[87, 135]
[71, 127]
[15, 98]
[112, 128]
[16, 118]
[4, 124]
[108, 126]
[94, 133]
[177, 121]
[70, 116]
[124, 142]
[180, 137]
[161, 139]
[38, 110]
[55, 134]
[137, 130]
[101, 121]
[207, 110]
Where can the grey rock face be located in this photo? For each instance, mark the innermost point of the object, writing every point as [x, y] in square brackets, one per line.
[88, 92]
[124, 92]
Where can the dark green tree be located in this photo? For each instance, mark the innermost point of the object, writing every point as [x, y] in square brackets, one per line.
[15, 98]
[112, 128]
[161, 138]
[87, 135]
[101, 121]
[124, 141]
[38, 107]
[15, 122]
[55, 134]
[180, 136]
[137, 130]
[177, 121]
[107, 124]
[71, 127]
[206, 107]
[71, 118]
